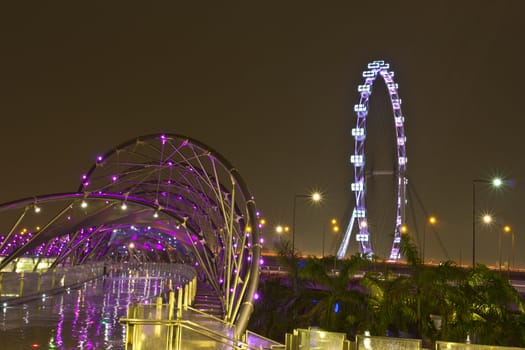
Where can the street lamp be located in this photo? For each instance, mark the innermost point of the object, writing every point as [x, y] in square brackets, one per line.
[496, 182]
[487, 219]
[432, 221]
[280, 230]
[314, 197]
[335, 229]
[505, 229]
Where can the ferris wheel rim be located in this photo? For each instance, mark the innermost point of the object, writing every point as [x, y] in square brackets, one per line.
[358, 159]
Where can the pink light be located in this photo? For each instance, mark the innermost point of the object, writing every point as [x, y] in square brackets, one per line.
[99, 158]
[256, 296]
[261, 261]
[114, 178]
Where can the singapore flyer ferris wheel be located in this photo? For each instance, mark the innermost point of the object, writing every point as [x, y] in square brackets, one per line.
[358, 160]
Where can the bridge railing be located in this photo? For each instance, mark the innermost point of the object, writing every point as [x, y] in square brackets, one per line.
[175, 325]
[27, 284]
[306, 339]
[444, 345]
[364, 342]
[178, 274]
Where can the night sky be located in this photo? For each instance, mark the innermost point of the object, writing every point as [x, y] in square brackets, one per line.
[272, 87]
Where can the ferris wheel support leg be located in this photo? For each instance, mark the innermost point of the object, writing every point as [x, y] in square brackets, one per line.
[341, 253]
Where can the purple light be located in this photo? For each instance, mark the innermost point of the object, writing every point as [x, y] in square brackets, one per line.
[99, 158]
[114, 178]
[261, 261]
[375, 69]
[256, 296]
[84, 176]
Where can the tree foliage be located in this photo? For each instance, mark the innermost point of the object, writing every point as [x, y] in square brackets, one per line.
[444, 302]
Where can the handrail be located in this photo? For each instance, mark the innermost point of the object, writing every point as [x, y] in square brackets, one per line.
[248, 332]
[16, 287]
[194, 327]
[209, 316]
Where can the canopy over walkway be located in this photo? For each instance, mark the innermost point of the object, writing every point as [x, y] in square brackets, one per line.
[155, 198]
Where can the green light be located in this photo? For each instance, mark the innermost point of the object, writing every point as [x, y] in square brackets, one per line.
[497, 182]
[52, 343]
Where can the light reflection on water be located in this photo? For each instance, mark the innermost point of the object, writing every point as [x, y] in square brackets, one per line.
[85, 318]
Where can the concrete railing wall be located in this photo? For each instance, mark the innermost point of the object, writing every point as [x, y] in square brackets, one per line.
[26, 284]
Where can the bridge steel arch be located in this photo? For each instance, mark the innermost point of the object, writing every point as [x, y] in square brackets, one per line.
[358, 160]
[165, 183]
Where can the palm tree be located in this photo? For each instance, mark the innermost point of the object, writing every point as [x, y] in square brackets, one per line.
[339, 303]
[493, 303]
[271, 317]
[390, 302]
[478, 302]
[290, 260]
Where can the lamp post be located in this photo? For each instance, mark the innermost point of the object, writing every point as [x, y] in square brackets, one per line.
[280, 230]
[335, 229]
[496, 182]
[315, 197]
[488, 220]
[505, 229]
[432, 221]
[512, 247]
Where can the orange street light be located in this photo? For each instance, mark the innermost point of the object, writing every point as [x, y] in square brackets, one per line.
[504, 229]
[314, 197]
[432, 221]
